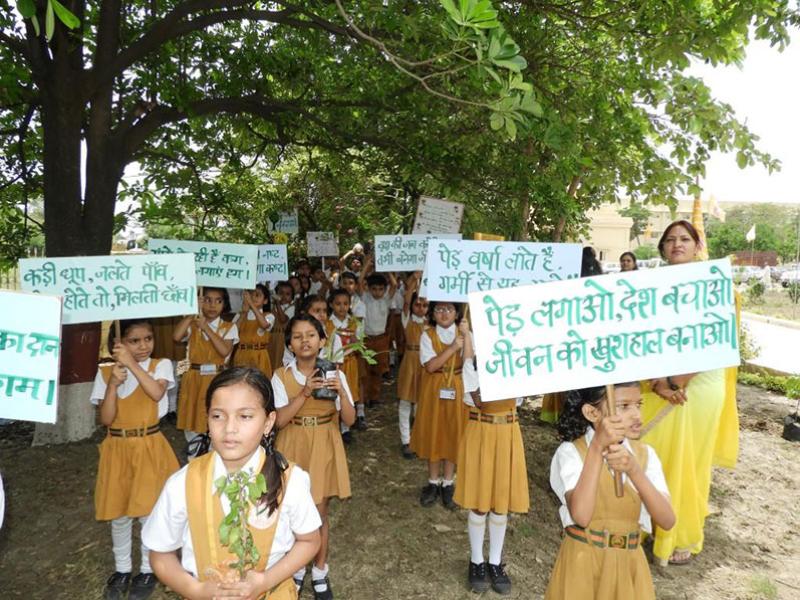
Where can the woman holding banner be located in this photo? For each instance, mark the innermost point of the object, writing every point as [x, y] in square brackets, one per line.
[692, 423]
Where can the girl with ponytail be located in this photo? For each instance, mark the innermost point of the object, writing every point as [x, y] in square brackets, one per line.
[284, 523]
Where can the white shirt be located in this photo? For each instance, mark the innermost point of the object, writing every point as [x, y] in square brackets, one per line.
[314, 288]
[447, 336]
[231, 334]
[469, 375]
[252, 317]
[376, 312]
[163, 371]
[282, 397]
[167, 527]
[566, 467]
[357, 307]
[406, 317]
[399, 298]
[288, 310]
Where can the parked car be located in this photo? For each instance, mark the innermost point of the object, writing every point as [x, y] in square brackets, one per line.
[790, 277]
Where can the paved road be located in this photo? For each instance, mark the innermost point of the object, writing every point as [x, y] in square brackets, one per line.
[779, 346]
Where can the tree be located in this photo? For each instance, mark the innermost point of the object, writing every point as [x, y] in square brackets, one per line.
[776, 230]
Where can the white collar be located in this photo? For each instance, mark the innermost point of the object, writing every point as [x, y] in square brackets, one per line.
[339, 323]
[417, 319]
[440, 330]
[251, 465]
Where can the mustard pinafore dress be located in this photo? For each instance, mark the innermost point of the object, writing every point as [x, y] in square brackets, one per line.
[133, 468]
[277, 342]
[192, 413]
[350, 365]
[492, 474]
[410, 374]
[612, 565]
[312, 440]
[204, 511]
[440, 423]
[253, 348]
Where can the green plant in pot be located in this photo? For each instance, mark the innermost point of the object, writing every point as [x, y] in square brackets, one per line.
[328, 364]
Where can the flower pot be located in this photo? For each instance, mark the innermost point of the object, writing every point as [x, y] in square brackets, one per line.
[325, 369]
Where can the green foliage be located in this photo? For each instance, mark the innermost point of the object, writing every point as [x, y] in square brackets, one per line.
[780, 384]
[776, 229]
[646, 252]
[358, 346]
[640, 215]
[755, 292]
[794, 292]
[748, 349]
[243, 491]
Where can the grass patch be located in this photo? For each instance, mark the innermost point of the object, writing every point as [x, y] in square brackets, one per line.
[781, 384]
[763, 587]
[772, 303]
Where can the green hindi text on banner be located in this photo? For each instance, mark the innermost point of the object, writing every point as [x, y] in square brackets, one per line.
[608, 329]
[217, 264]
[454, 268]
[30, 343]
[322, 243]
[405, 252]
[273, 263]
[121, 286]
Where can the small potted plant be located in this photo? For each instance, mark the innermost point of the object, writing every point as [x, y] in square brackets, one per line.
[328, 364]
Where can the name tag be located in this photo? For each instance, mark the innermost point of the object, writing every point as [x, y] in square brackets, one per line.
[208, 369]
[447, 394]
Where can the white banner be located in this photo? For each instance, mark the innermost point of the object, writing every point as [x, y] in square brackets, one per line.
[322, 243]
[405, 252]
[456, 268]
[607, 329]
[217, 264]
[30, 342]
[287, 222]
[273, 264]
[438, 216]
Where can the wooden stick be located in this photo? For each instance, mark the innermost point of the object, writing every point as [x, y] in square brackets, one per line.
[117, 333]
[611, 403]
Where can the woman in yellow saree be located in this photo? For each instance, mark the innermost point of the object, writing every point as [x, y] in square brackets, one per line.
[695, 426]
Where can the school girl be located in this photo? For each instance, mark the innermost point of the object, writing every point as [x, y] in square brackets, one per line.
[492, 479]
[317, 307]
[349, 329]
[135, 457]
[284, 525]
[255, 323]
[284, 309]
[410, 373]
[601, 554]
[440, 416]
[309, 430]
[211, 341]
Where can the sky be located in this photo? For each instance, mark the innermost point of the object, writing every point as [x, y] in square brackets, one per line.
[765, 94]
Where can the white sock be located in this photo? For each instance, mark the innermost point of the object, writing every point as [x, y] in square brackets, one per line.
[447, 482]
[145, 566]
[121, 531]
[497, 535]
[360, 410]
[404, 418]
[319, 574]
[476, 527]
[435, 481]
[300, 575]
[343, 428]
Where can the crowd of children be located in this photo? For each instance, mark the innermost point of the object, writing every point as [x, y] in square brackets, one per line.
[274, 386]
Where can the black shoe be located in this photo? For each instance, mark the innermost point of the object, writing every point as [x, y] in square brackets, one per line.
[299, 585]
[361, 423]
[327, 594]
[429, 494]
[117, 586]
[500, 581]
[407, 453]
[347, 437]
[387, 379]
[142, 586]
[478, 579]
[447, 496]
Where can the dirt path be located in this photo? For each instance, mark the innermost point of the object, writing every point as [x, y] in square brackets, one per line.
[386, 547]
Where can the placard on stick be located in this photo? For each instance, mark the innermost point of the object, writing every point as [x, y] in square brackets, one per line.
[608, 329]
[405, 252]
[273, 263]
[217, 264]
[121, 286]
[322, 243]
[286, 222]
[30, 342]
[435, 215]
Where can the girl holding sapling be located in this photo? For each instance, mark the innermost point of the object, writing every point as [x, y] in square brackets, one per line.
[242, 516]
[308, 419]
[135, 457]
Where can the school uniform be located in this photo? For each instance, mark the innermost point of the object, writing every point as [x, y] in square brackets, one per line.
[312, 439]
[441, 416]
[253, 348]
[410, 374]
[376, 339]
[188, 513]
[204, 364]
[135, 457]
[492, 474]
[604, 560]
[277, 342]
[347, 331]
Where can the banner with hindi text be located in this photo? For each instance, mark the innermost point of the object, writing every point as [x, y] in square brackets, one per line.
[273, 263]
[121, 286]
[322, 243]
[608, 329]
[217, 264]
[30, 342]
[405, 252]
[454, 268]
[435, 215]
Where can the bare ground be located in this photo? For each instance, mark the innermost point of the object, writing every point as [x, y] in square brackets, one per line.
[385, 546]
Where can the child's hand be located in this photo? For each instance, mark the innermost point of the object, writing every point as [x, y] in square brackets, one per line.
[250, 589]
[201, 322]
[463, 328]
[610, 430]
[334, 383]
[619, 459]
[122, 355]
[312, 383]
[459, 342]
[247, 302]
[118, 375]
